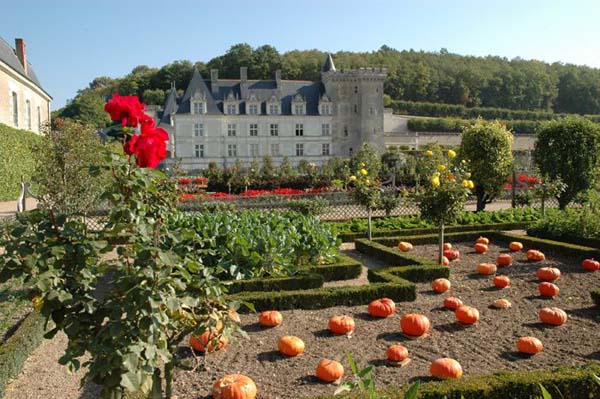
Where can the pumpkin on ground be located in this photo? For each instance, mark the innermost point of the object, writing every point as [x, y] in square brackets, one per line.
[548, 289]
[452, 303]
[270, 318]
[341, 324]
[290, 345]
[445, 368]
[234, 386]
[553, 316]
[396, 353]
[404, 246]
[501, 303]
[591, 265]
[451, 254]
[535, 256]
[467, 315]
[447, 246]
[329, 370]
[515, 246]
[548, 273]
[482, 240]
[486, 268]
[501, 281]
[414, 324]
[440, 285]
[504, 260]
[445, 261]
[529, 345]
[480, 248]
[383, 307]
[210, 340]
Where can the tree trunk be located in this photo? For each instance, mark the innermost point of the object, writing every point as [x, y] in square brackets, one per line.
[156, 392]
[111, 393]
[480, 193]
[369, 211]
[441, 245]
[514, 190]
[169, 380]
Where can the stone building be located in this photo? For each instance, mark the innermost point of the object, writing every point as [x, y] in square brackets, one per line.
[24, 104]
[224, 120]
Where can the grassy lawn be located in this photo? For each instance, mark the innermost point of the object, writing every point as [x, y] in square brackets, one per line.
[14, 305]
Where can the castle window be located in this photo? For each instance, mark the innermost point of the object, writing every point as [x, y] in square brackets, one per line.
[350, 151]
[325, 109]
[253, 129]
[199, 150]
[198, 108]
[370, 110]
[325, 149]
[231, 109]
[253, 109]
[28, 113]
[273, 109]
[299, 149]
[39, 113]
[346, 131]
[198, 129]
[15, 109]
[299, 129]
[231, 129]
[232, 150]
[355, 109]
[325, 129]
[274, 128]
[298, 109]
[254, 150]
[355, 89]
[275, 150]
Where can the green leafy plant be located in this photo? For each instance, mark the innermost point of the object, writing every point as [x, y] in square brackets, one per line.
[18, 160]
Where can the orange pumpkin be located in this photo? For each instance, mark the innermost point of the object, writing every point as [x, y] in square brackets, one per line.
[414, 324]
[234, 386]
[341, 324]
[290, 345]
[548, 289]
[270, 318]
[404, 246]
[548, 273]
[329, 370]
[445, 261]
[480, 248]
[451, 254]
[515, 246]
[482, 240]
[396, 353]
[501, 303]
[535, 256]
[210, 340]
[447, 246]
[553, 316]
[452, 303]
[440, 285]
[501, 281]
[467, 315]
[529, 345]
[445, 368]
[590, 265]
[486, 268]
[504, 260]
[383, 307]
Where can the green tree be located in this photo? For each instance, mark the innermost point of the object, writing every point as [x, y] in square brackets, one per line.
[265, 60]
[487, 147]
[569, 150]
[286, 169]
[368, 158]
[86, 108]
[154, 96]
[267, 170]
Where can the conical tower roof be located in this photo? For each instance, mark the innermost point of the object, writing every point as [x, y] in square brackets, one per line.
[328, 66]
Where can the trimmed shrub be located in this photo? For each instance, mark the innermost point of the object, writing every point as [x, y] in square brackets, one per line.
[18, 160]
[596, 296]
[298, 282]
[456, 125]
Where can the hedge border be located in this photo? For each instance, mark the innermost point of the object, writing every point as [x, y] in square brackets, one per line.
[17, 348]
[540, 233]
[573, 383]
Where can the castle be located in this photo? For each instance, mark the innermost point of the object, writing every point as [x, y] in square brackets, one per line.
[224, 120]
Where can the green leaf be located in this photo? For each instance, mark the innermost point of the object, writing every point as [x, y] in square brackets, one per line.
[131, 381]
[596, 379]
[413, 391]
[345, 387]
[353, 365]
[545, 393]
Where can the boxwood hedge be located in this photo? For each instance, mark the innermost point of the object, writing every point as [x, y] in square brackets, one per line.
[17, 160]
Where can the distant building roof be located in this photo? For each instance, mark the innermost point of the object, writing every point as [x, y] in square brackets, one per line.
[170, 107]
[9, 57]
[328, 66]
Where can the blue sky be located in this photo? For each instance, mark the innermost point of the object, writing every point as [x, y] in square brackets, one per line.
[69, 42]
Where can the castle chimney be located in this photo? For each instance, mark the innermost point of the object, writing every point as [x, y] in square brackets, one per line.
[243, 74]
[21, 53]
[214, 80]
[278, 77]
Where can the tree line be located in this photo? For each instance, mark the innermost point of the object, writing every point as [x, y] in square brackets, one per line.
[436, 77]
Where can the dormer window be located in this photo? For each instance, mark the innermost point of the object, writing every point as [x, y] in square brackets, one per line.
[232, 109]
[199, 108]
[231, 104]
[273, 105]
[298, 105]
[298, 109]
[253, 109]
[325, 105]
[273, 109]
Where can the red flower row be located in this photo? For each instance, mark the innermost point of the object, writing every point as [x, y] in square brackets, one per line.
[196, 180]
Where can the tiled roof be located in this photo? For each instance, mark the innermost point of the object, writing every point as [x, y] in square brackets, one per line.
[9, 57]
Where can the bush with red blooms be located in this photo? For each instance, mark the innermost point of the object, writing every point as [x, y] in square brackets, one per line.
[184, 181]
[524, 181]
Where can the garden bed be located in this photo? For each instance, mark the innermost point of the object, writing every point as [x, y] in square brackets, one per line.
[485, 348]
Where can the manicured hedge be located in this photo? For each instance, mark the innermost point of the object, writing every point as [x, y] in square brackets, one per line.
[596, 296]
[456, 125]
[541, 243]
[298, 282]
[562, 382]
[543, 233]
[17, 160]
[414, 273]
[19, 346]
[345, 268]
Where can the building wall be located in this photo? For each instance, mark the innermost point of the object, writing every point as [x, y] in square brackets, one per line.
[10, 82]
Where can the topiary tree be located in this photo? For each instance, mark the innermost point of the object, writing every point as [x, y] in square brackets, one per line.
[488, 148]
[367, 158]
[568, 149]
[366, 192]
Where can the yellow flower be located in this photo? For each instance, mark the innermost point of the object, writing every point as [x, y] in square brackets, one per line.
[436, 174]
[471, 184]
[429, 153]
[435, 181]
[451, 154]
[465, 183]
[367, 182]
[364, 172]
[352, 178]
[441, 168]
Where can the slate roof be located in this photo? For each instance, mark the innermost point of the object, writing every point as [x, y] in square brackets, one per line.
[170, 107]
[263, 90]
[9, 57]
[328, 66]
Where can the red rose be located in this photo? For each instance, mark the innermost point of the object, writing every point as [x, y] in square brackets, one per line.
[125, 109]
[129, 146]
[149, 147]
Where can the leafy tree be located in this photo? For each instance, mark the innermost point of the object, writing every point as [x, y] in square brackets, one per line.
[487, 147]
[286, 169]
[154, 96]
[265, 60]
[568, 149]
[86, 108]
[368, 158]
[267, 170]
